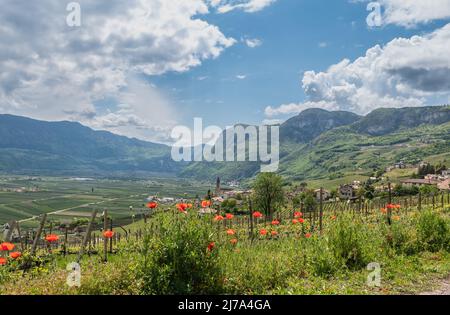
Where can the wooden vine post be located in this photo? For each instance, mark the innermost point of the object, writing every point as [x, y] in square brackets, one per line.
[251, 235]
[420, 201]
[105, 240]
[87, 235]
[66, 233]
[38, 234]
[111, 239]
[321, 210]
[389, 210]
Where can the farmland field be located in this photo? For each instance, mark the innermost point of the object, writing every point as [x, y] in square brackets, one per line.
[66, 198]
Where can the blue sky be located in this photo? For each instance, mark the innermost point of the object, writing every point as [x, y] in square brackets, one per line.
[296, 35]
[140, 67]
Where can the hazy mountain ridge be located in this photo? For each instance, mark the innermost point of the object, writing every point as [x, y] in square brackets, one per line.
[315, 143]
[32, 145]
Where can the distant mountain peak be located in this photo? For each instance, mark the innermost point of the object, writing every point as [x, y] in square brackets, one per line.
[312, 122]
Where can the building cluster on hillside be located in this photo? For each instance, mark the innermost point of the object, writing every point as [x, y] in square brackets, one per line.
[441, 181]
[349, 191]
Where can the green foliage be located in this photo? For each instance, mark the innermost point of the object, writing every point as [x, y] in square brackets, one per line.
[309, 201]
[323, 260]
[268, 193]
[401, 237]
[429, 190]
[178, 261]
[433, 232]
[401, 190]
[349, 242]
[230, 205]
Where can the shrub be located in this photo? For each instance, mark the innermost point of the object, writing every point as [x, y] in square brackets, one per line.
[346, 240]
[323, 261]
[178, 261]
[433, 232]
[401, 237]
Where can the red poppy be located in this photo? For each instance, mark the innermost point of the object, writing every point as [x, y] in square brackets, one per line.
[7, 246]
[15, 255]
[398, 206]
[229, 216]
[308, 235]
[298, 214]
[274, 233]
[52, 238]
[108, 234]
[218, 218]
[383, 210]
[211, 246]
[231, 232]
[257, 214]
[234, 241]
[275, 222]
[301, 220]
[152, 205]
[295, 221]
[206, 203]
[3, 261]
[182, 207]
[189, 205]
[263, 232]
[390, 206]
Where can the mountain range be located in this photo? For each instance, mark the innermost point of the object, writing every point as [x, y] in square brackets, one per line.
[314, 144]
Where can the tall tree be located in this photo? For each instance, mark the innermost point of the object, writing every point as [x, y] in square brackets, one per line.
[268, 193]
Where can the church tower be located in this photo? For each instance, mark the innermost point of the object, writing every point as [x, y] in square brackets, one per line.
[218, 190]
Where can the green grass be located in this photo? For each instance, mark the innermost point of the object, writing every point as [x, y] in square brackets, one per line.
[331, 263]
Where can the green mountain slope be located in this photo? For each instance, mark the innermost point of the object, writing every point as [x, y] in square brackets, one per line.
[322, 144]
[315, 144]
[65, 147]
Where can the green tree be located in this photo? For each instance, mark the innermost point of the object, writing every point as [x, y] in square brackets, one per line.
[268, 193]
[309, 201]
[369, 190]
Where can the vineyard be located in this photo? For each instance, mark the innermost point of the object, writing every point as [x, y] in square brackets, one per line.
[176, 250]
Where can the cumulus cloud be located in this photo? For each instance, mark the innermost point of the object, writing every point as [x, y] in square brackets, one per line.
[252, 43]
[52, 71]
[412, 12]
[225, 6]
[405, 72]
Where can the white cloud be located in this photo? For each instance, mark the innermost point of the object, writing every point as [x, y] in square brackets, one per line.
[405, 72]
[252, 43]
[52, 71]
[241, 77]
[412, 12]
[271, 122]
[144, 113]
[323, 44]
[250, 6]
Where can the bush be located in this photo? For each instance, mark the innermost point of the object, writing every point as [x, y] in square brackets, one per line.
[323, 261]
[178, 261]
[346, 240]
[433, 232]
[401, 237]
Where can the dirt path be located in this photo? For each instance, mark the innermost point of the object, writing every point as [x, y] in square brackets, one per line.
[444, 288]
